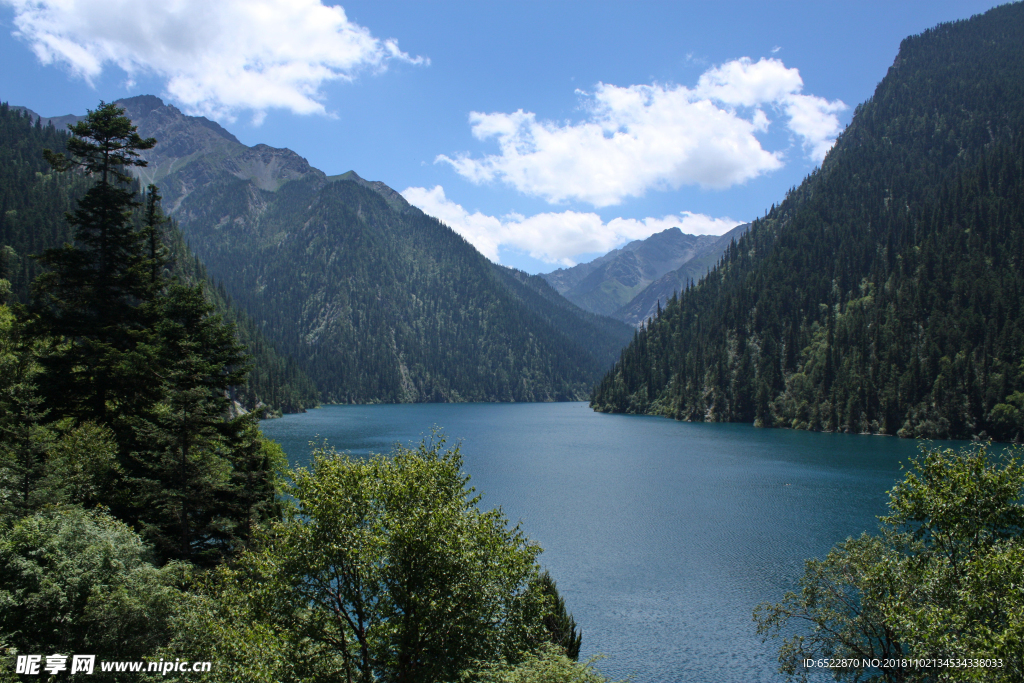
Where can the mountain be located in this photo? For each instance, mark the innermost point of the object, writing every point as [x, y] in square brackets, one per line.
[33, 201]
[374, 299]
[886, 293]
[603, 336]
[193, 150]
[644, 305]
[612, 284]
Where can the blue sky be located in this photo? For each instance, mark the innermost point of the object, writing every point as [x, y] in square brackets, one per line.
[545, 132]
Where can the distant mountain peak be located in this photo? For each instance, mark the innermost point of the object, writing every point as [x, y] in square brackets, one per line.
[610, 283]
[142, 105]
[193, 150]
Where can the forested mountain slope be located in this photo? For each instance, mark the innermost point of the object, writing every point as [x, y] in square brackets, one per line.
[375, 300]
[381, 305]
[603, 336]
[885, 293]
[33, 201]
[610, 283]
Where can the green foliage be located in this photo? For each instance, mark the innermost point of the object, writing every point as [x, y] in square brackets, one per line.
[73, 581]
[389, 570]
[548, 665]
[943, 581]
[24, 439]
[185, 435]
[82, 467]
[884, 294]
[559, 623]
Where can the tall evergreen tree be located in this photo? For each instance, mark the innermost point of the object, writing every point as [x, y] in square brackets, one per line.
[132, 350]
[88, 301]
[184, 466]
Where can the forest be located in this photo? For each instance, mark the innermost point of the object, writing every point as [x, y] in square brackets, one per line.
[144, 518]
[883, 295]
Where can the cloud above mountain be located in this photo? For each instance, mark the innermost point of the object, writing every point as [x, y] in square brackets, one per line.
[217, 58]
[641, 137]
[553, 237]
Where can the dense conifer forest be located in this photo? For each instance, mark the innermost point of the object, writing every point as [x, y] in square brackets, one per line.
[886, 293]
[142, 518]
[381, 303]
[33, 203]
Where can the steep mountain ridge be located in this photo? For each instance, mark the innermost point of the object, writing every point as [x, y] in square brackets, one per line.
[193, 150]
[886, 293]
[376, 300]
[644, 305]
[619, 284]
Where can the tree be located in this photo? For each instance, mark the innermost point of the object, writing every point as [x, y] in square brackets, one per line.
[73, 581]
[24, 439]
[141, 356]
[184, 467]
[548, 665]
[388, 571]
[89, 300]
[942, 581]
[559, 623]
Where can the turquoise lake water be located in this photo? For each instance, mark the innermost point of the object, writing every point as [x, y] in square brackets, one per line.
[663, 536]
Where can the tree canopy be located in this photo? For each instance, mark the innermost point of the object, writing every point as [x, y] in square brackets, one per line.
[388, 570]
[943, 581]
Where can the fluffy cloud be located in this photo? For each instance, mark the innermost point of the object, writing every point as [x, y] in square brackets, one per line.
[553, 237]
[641, 137]
[217, 57]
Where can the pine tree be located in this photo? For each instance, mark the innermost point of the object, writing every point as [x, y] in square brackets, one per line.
[558, 622]
[184, 472]
[89, 300]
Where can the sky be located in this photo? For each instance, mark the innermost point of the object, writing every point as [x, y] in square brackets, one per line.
[545, 132]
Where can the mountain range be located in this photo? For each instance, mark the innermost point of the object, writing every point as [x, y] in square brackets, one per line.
[629, 283]
[375, 300]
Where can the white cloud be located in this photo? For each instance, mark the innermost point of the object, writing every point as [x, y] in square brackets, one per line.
[814, 120]
[641, 137]
[217, 57]
[553, 237]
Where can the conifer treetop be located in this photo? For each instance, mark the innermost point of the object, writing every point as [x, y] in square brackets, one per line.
[103, 143]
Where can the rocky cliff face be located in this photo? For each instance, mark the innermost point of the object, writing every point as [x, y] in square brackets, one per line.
[192, 151]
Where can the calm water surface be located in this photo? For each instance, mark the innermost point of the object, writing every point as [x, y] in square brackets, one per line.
[663, 536]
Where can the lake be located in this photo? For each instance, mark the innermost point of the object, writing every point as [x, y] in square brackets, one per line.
[663, 536]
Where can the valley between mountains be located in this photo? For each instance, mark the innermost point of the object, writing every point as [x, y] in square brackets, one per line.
[882, 295]
[374, 301]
